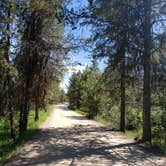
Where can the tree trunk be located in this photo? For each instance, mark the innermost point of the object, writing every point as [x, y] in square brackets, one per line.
[12, 130]
[122, 85]
[9, 90]
[147, 73]
[36, 112]
[24, 110]
[123, 97]
[23, 119]
[20, 120]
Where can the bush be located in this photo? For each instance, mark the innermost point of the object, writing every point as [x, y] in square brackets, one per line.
[133, 118]
[159, 128]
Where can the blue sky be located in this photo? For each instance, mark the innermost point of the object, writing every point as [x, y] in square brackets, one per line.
[82, 56]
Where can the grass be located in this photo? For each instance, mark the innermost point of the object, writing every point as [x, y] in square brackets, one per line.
[96, 118]
[159, 144]
[7, 147]
[134, 134]
[43, 115]
[103, 121]
[81, 112]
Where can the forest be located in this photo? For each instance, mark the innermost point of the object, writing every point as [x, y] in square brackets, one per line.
[129, 94]
[31, 64]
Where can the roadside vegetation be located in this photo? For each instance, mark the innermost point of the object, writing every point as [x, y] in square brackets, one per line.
[130, 92]
[7, 146]
[36, 41]
[31, 67]
[96, 97]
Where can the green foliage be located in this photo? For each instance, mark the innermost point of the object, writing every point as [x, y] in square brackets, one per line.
[7, 146]
[159, 128]
[133, 119]
[99, 97]
[83, 90]
[74, 92]
[105, 90]
[112, 115]
[31, 61]
[81, 112]
[89, 93]
[56, 95]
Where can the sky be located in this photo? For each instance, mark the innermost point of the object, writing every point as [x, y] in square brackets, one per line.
[82, 56]
[84, 59]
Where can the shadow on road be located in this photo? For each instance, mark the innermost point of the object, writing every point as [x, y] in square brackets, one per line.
[64, 107]
[80, 144]
[77, 117]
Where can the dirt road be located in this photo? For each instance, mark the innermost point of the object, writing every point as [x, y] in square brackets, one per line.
[68, 139]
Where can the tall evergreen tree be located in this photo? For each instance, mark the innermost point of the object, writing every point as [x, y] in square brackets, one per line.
[114, 37]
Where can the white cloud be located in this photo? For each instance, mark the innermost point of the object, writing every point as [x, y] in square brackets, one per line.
[64, 84]
[71, 70]
[75, 69]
